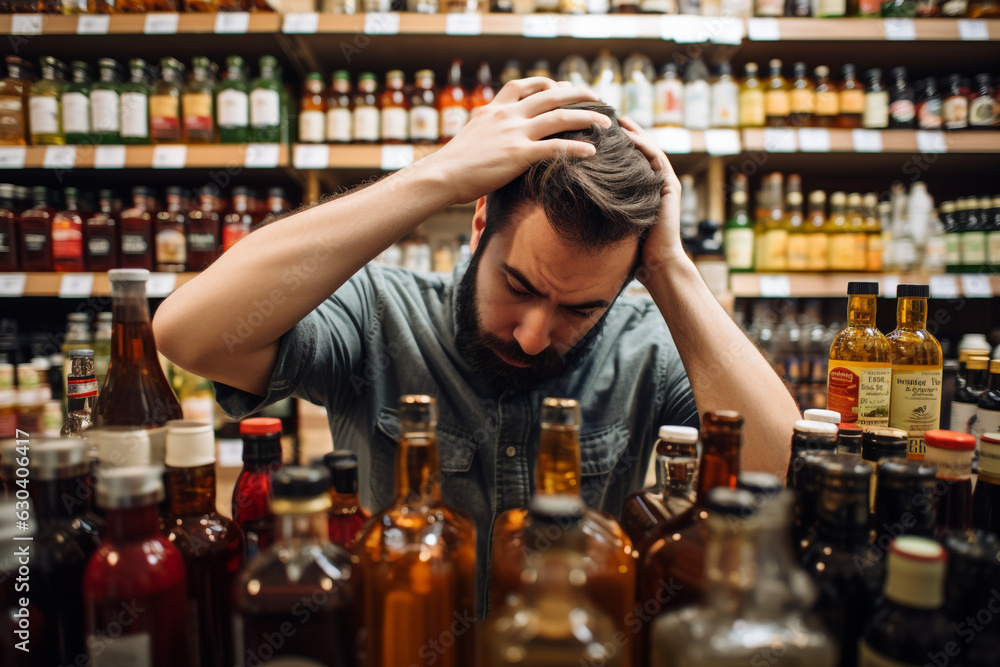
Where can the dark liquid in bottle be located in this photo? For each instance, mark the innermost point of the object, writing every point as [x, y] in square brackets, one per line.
[955, 506]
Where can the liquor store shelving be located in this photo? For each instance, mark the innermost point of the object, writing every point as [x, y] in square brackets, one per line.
[169, 156]
[833, 285]
[81, 285]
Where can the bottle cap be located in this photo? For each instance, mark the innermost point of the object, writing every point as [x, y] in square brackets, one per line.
[557, 509]
[880, 443]
[816, 427]
[300, 482]
[260, 426]
[976, 362]
[913, 291]
[943, 439]
[128, 275]
[189, 444]
[762, 485]
[995, 366]
[867, 289]
[49, 458]
[343, 467]
[916, 571]
[119, 447]
[682, 435]
[816, 415]
[133, 486]
[727, 502]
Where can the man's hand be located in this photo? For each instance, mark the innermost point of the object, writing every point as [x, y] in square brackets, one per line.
[508, 135]
[663, 243]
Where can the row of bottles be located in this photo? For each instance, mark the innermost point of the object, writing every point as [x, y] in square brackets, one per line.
[187, 232]
[142, 104]
[414, 253]
[76, 7]
[972, 234]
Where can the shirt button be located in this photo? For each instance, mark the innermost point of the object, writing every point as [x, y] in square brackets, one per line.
[511, 451]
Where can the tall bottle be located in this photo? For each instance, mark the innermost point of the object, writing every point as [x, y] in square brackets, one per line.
[986, 500]
[165, 104]
[135, 393]
[777, 103]
[35, 232]
[970, 387]
[817, 239]
[14, 104]
[606, 79]
[928, 105]
[81, 393]
[801, 97]
[483, 92]
[751, 98]
[135, 104]
[197, 104]
[955, 105]
[424, 118]
[856, 231]
[312, 110]
[876, 114]
[339, 119]
[773, 243]
[453, 103]
[265, 103]
[988, 411]
[367, 114]
[738, 235]
[137, 230]
[798, 239]
[239, 221]
[8, 223]
[872, 230]
[697, 96]
[973, 558]
[75, 103]
[951, 453]
[418, 555]
[346, 516]
[852, 99]
[906, 501]
[232, 102]
[638, 78]
[101, 235]
[860, 368]
[902, 107]
[983, 106]
[252, 493]
[204, 229]
[67, 234]
[725, 98]
[827, 99]
[45, 119]
[171, 245]
[105, 104]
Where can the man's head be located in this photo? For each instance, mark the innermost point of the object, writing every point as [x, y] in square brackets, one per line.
[551, 251]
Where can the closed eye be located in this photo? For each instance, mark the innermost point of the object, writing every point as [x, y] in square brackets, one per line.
[516, 292]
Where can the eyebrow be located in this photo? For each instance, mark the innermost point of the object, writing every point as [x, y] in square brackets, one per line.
[597, 303]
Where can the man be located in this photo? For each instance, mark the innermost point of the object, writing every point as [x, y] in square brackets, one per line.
[561, 224]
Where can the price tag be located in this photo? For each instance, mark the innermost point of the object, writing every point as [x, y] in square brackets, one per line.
[813, 140]
[76, 285]
[463, 24]
[763, 30]
[161, 23]
[396, 156]
[780, 140]
[382, 23]
[944, 287]
[109, 157]
[301, 24]
[667, 28]
[12, 284]
[977, 286]
[232, 23]
[775, 286]
[973, 30]
[93, 24]
[59, 157]
[623, 27]
[539, 25]
[689, 29]
[931, 141]
[589, 27]
[169, 157]
[26, 24]
[161, 284]
[672, 140]
[262, 156]
[722, 142]
[230, 453]
[899, 29]
[12, 157]
[889, 285]
[311, 156]
[725, 30]
[867, 141]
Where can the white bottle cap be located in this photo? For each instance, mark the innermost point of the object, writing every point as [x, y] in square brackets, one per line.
[815, 427]
[683, 435]
[121, 447]
[974, 341]
[189, 444]
[133, 486]
[816, 415]
[129, 275]
[916, 572]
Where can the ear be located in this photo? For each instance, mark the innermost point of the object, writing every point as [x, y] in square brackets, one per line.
[478, 224]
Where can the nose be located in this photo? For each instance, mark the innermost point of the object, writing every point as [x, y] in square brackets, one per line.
[533, 334]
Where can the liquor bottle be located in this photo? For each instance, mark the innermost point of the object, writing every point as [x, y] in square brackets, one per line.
[424, 119]
[453, 103]
[955, 106]
[806, 467]
[915, 404]
[860, 366]
[102, 346]
[196, 104]
[928, 105]
[135, 104]
[135, 393]
[906, 501]
[697, 96]
[768, 8]
[105, 104]
[265, 103]
[965, 401]
[165, 104]
[988, 411]
[801, 97]
[725, 98]
[973, 234]
[302, 563]
[137, 230]
[951, 453]
[856, 230]
[14, 105]
[773, 255]
[418, 555]
[232, 102]
[738, 235]
[81, 393]
[482, 93]
[879, 443]
[991, 222]
[204, 229]
[902, 110]
[899, 8]
[606, 79]
[8, 225]
[907, 624]
[252, 493]
[312, 110]
[669, 98]
[67, 234]
[852, 99]
[849, 439]
[817, 240]
[211, 545]
[171, 244]
[367, 114]
[810, 435]
[973, 558]
[983, 9]
[102, 239]
[45, 118]
[872, 232]
[35, 232]
[237, 223]
[339, 120]
[75, 103]
[346, 516]
[952, 241]
[675, 465]
[832, 8]
[876, 114]
[983, 106]
[136, 568]
[798, 242]
[777, 103]
[827, 99]
[986, 500]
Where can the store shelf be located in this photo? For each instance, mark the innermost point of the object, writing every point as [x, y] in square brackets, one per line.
[872, 30]
[161, 23]
[826, 285]
[81, 285]
[821, 140]
[202, 156]
[358, 156]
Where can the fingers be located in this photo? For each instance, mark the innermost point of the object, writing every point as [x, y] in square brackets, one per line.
[518, 89]
[657, 158]
[550, 148]
[564, 120]
[553, 98]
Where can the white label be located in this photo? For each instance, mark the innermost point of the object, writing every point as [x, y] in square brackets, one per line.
[453, 119]
[394, 123]
[667, 31]
[26, 24]
[366, 124]
[311, 157]
[76, 113]
[899, 29]
[109, 157]
[105, 115]
[463, 24]
[12, 284]
[814, 140]
[230, 453]
[780, 140]
[161, 24]
[930, 141]
[76, 285]
[265, 108]
[93, 24]
[382, 23]
[161, 284]
[621, 26]
[59, 157]
[234, 108]
[338, 124]
[775, 286]
[169, 157]
[135, 115]
[961, 417]
[977, 286]
[424, 123]
[264, 156]
[763, 30]
[589, 27]
[943, 287]
[867, 141]
[725, 30]
[689, 29]
[722, 142]
[539, 25]
[672, 140]
[396, 157]
[12, 157]
[232, 23]
[134, 650]
[312, 127]
[44, 112]
[973, 30]
[301, 24]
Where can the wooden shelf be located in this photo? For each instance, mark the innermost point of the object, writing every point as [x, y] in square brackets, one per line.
[872, 30]
[138, 24]
[819, 140]
[201, 156]
[827, 285]
[81, 285]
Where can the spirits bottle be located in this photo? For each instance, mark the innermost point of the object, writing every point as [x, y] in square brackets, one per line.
[852, 99]
[878, 443]
[902, 107]
[67, 235]
[774, 241]
[606, 79]
[752, 105]
[204, 229]
[483, 92]
[817, 239]
[75, 103]
[906, 501]
[395, 109]
[974, 382]
[899, 8]
[856, 230]
[808, 436]
[252, 493]
[668, 96]
[453, 103]
[798, 244]
[14, 106]
[232, 102]
[738, 235]
[102, 236]
[418, 555]
[136, 393]
[81, 393]
[35, 232]
[265, 103]
[827, 99]
[105, 104]
[346, 516]
[951, 454]
[8, 222]
[801, 97]
[988, 412]
[986, 500]
[806, 467]
[339, 119]
[872, 232]
[876, 114]
[197, 104]
[697, 96]
[955, 105]
[312, 110]
[973, 558]
[165, 104]
[137, 230]
[239, 221]
[725, 98]
[45, 119]
[211, 545]
[928, 105]
[367, 114]
[135, 104]
[983, 106]
[171, 245]
[777, 103]
[424, 119]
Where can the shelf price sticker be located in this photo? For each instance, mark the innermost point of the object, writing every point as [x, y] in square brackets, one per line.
[262, 156]
[396, 156]
[899, 29]
[161, 284]
[943, 287]
[867, 141]
[12, 157]
[76, 285]
[672, 140]
[162, 23]
[12, 284]
[931, 141]
[93, 24]
[977, 286]
[59, 157]
[590, 26]
[724, 30]
[109, 157]
[813, 140]
[889, 285]
[689, 29]
[232, 23]
[463, 24]
[973, 30]
[775, 286]
[780, 140]
[722, 142]
[27, 24]
[622, 27]
[763, 30]
[311, 156]
[540, 25]
[169, 157]
[382, 23]
[301, 24]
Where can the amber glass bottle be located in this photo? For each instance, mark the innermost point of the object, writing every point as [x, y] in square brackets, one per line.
[204, 229]
[34, 232]
[137, 248]
[986, 502]
[777, 102]
[171, 244]
[453, 103]
[827, 99]
[14, 96]
[395, 105]
[252, 493]
[852, 99]
[165, 104]
[197, 102]
[347, 517]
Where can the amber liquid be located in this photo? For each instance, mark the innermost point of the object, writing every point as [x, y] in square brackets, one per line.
[644, 511]
[558, 466]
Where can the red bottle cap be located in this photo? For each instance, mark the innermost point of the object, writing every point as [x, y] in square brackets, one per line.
[992, 438]
[848, 427]
[260, 426]
[943, 439]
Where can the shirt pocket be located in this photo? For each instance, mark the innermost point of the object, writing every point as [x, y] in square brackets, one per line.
[600, 452]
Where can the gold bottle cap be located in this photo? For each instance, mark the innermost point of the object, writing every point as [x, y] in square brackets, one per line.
[977, 363]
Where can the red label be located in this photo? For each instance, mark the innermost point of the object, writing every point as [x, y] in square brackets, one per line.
[198, 123]
[67, 243]
[231, 234]
[842, 394]
[164, 123]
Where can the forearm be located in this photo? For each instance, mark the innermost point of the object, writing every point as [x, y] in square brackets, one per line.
[725, 369]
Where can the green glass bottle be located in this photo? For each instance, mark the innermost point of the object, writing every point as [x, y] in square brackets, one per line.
[738, 235]
[903, 9]
[232, 103]
[45, 119]
[135, 104]
[265, 103]
[105, 104]
[75, 104]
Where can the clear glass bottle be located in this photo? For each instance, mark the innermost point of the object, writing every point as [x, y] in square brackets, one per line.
[252, 492]
[738, 235]
[725, 98]
[339, 117]
[697, 96]
[606, 79]
[15, 90]
[265, 103]
[669, 98]
[346, 515]
[232, 103]
[45, 118]
[827, 99]
[638, 76]
[197, 100]
[75, 103]
[801, 97]
[165, 104]
[135, 104]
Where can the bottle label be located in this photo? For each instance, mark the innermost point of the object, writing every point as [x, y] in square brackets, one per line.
[44, 114]
[983, 111]
[827, 103]
[841, 252]
[818, 250]
[776, 103]
[394, 122]
[876, 115]
[739, 248]
[82, 387]
[832, 8]
[197, 111]
[955, 112]
[638, 102]
[929, 114]
[265, 108]
[725, 106]
[987, 421]
[915, 405]
[338, 125]
[134, 244]
[131, 650]
[202, 241]
[770, 8]
[775, 250]
[902, 111]
[98, 247]
[697, 108]
[424, 123]
[11, 115]
[366, 124]
[989, 460]
[859, 391]
[67, 241]
[802, 101]
[752, 108]
[874, 255]
[164, 113]
[234, 109]
[170, 247]
[105, 114]
[76, 114]
[5, 242]
[952, 249]
[35, 242]
[798, 252]
[993, 248]
[312, 127]
[973, 248]
[135, 115]
[852, 101]
[453, 119]
[669, 103]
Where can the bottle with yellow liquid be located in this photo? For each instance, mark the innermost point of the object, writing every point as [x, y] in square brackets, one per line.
[860, 368]
[774, 245]
[873, 230]
[915, 405]
[795, 224]
[817, 239]
[841, 241]
[857, 232]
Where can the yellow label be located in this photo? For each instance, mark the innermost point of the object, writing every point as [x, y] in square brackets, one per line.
[775, 249]
[818, 250]
[859, 391]
[739, 247]
[827, 103]
[752, 108]
[802, 101]
[197, 104]
[860, 251]
[163, 106]
[777, 103]
[798, 252]
[915, 405]
[852, 101]
[841, 252]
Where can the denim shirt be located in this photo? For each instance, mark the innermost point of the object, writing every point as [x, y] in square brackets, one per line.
[389, 332]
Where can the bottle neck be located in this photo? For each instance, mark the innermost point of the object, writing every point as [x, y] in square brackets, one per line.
[557, 471]
[861, 310]
[344, 503]
[675, 475]
[418, 478]
[720, 463]
[191, 490]
[911, 313]
[843, 518]
[64, 498]
[132, 523]
[301, 529]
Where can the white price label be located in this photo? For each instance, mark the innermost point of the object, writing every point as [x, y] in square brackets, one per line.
[262, 156]
[539, 25]
[109, 157]
[889, 285]
[899, 29]
[161, 284]
[463, 24]
[382, 23]
[169, 157]
[763, 30]
[672, 140]
[12, 157]
[311, 156]
[814, 140]
[12, 284]
[722, 142]
[161, 23]
[977, 286]
[931, 141]
[775, 286]
[944, 287]
[622, 27]
[232, 23]
[76, 285]
[667, 28]
[780, 140]
[59, 157]
[591, 26]
[725, 30]
[690, 29]
[27, 24]
[230, 453]
[973, 30]
[301, 24]
[396, 156]
[867, 141]
[93, 24]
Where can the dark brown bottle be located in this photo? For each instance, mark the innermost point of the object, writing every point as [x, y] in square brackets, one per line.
[346, 515]
[34, 232]
[805, 483]
[972, 586]
[252, 492]
[852, 99]
[8, 229]
[808, 435]
[240, 220]
[986, 501]
[101, 232]
[171, 245]
[137, 230]
[879, 443]
[203, 230]
[951, 453]
[906, 501]
[902, 109]
[67, 234]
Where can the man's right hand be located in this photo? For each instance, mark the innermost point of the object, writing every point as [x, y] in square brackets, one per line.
[508, 135]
